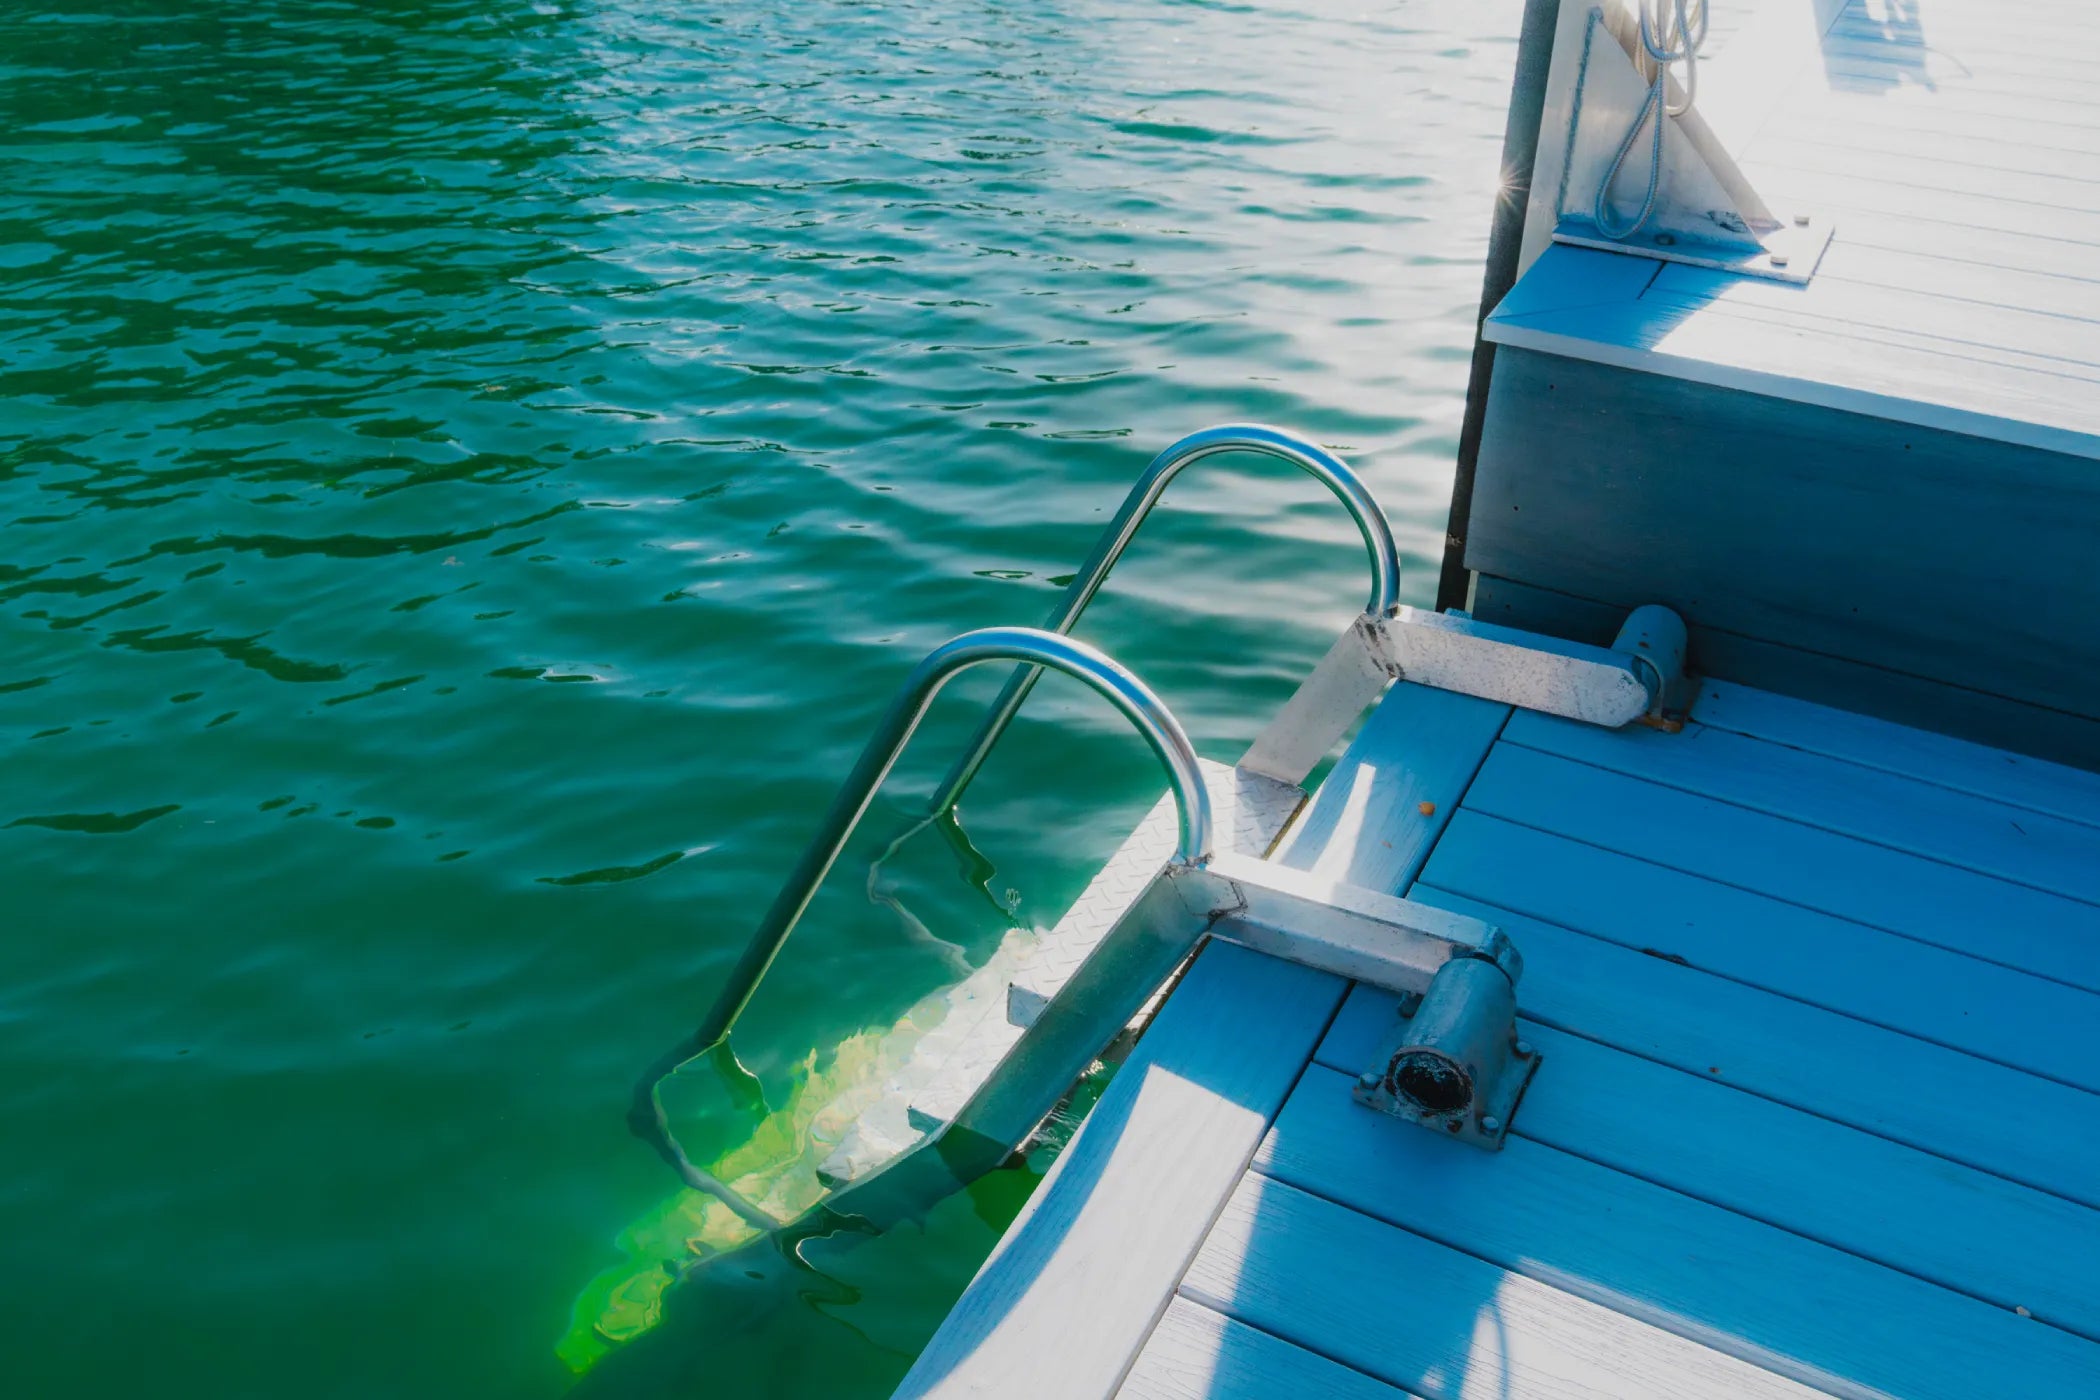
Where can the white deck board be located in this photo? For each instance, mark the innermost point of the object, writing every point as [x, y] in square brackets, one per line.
[1898, 375]
[1067, 1300]
[1792, 1305]
[1436, 1320]
[2034, 930]
[1368, 824]
[1963, 1229]
[1955, 133]
[2000, 776]
[1197, 1353]
[1996, 1013]
[1961, 830]
[1849, 1071]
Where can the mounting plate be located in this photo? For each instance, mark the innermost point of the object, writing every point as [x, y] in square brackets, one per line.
[1496, 1063]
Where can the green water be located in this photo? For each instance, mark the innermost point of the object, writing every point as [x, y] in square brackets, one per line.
[470, 475]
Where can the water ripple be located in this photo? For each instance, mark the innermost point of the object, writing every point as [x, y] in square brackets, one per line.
[461, 459]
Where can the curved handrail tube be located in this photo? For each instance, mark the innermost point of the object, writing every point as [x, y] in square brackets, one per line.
[1161, 731]
[1330, 470]
[1037, 649]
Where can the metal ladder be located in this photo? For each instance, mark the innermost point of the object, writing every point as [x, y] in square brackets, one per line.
[1454, 1063]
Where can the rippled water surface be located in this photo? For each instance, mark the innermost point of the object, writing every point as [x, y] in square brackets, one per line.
[470, 475]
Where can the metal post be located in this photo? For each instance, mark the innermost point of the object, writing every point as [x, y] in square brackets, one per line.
[1330, 470]
[1520, 144]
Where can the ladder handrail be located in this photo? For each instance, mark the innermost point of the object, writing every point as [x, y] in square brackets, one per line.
[1317, 461]
[1034, 648]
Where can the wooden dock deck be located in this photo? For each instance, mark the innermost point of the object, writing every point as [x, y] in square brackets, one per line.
[1819, 999]
[1818, 993]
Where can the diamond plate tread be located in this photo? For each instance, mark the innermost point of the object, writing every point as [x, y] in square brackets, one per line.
[954, 1058]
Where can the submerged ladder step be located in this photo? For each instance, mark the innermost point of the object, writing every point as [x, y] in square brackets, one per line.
[988, 1012]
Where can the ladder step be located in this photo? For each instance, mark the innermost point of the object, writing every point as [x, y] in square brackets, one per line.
[987, 1012]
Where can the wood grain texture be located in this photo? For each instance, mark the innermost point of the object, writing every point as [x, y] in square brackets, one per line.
[1978, 769]
[1198, 1354]
[1874, 804]
[1366, 824]
[2019, 926]
[2012, 924]
[2009, 726]
[2007, 373]
[1443, 1324]
[1793, 1306]
[1968, 327]
[1965, 1003]
[1963, 1229]
[1066, 1301]
[1879, 1081]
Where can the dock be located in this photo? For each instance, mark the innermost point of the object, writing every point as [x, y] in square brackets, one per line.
[1812, 972]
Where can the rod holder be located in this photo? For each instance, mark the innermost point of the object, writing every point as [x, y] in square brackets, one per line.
[1454, 1063]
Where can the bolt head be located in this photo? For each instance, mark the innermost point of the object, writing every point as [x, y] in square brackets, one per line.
[1779, 260]
[1801, 221]
[1523, 1049]
[1367, 1080]
[1491, 1125]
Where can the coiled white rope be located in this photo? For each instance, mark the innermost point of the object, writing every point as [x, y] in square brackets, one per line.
[1671, 33]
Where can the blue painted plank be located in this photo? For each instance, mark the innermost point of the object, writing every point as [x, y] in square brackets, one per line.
[1800, 1308]
[1367, 824]
[1565, 278]
[1198, 1354]
[1997, 1013]
[2016, 925]
[1440, 1322]
[1188, 1107]
[1982, 1115]
[1993, 773]
[1963, 1229]
[1873, 804]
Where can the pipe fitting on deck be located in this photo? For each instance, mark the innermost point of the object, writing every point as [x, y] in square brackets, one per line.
[1454, 1063]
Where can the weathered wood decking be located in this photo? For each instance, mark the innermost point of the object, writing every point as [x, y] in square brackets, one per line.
[1820, 1004]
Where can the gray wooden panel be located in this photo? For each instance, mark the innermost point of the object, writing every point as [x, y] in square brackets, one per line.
[1433, 1319]
[2046, 934]
[1373, 821]
[1198, 1354]
[1963, 1229]
[1888, 808]
[1926, 552]
[1983, 1008]
[1794, 1306]
[1826, 680]
[1990, 773]
[1068, 1298]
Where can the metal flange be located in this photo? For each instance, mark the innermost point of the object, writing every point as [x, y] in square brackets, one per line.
[1454, 1063]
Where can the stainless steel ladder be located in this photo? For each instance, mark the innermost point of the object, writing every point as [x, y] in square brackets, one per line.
[1456, 1065]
